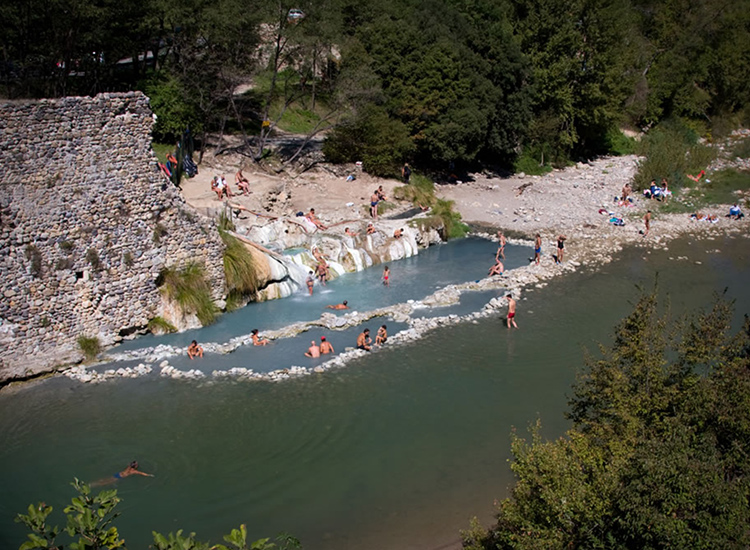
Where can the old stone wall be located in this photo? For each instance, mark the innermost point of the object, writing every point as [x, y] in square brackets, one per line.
[87, 221]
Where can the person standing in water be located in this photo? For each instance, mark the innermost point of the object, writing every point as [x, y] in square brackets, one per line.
[511, 320]
[537, 248]
[386, 276]
[310, 283]
[501, 247]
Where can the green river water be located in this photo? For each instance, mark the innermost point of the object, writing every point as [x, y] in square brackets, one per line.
[396, 451]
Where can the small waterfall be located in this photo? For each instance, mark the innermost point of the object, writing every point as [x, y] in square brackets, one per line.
[356, 258]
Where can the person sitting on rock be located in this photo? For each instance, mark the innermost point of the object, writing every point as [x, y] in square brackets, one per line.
[735, 213]
[257, 340]
[312, 218]
[348, 232]
[370, 229]
[398, 233]
[382, 336]
[364, 341]
[497, 269]
[241, 181]
[194, 350]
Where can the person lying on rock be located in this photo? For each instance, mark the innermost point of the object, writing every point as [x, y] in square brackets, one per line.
[314, 220]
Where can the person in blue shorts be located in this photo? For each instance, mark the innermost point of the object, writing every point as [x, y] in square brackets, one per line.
[537, 248]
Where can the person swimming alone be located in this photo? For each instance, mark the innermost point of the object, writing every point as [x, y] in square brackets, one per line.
[131, 469]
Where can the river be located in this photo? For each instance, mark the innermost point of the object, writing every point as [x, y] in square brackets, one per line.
[397, 450]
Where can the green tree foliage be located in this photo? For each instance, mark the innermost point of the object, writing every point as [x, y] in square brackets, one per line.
[658, 453]
[89, 524]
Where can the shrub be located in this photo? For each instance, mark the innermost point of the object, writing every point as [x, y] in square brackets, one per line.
[671, 151]
[34, 255]
[619, 144]
[127, 258]
[159, 232]
[235, 300]
[67, 246]
[63, 263]
[533, 162]
[92, 257]
[742, 148]
[189, 288]
[159, 325]
[454, 228]
[90, 346]
[421, 191]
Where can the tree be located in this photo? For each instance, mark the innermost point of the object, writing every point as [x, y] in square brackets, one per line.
[658, 455]
[90, 517]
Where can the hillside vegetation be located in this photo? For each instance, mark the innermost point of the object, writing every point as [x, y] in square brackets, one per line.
[445, 84]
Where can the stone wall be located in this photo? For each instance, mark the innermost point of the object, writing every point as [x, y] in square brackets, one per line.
[87, 221]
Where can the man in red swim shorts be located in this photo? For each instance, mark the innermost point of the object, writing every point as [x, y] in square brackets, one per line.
[511, 311]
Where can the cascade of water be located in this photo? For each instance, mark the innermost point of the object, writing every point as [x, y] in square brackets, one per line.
[356, 258]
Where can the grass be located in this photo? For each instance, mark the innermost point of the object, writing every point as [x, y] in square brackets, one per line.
[159, 325]
[189, 288]
[90, 346]
[619, 144]
[420, 191]
[239, 269]
[161, 150]
[722, 187]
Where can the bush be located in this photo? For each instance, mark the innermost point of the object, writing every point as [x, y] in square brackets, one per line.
[159, 325]
[34, 255]
[90, 346]
[127, 258]
[671, 151]
[742, 148]
[92, 257]
[454, 227]
[380, 142]
[533, 162]
[159, 232]
[619, 144]
[189, 288]
[63, 263]
[67, 246]
[420, 191]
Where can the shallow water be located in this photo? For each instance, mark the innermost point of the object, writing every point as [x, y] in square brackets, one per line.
[411, 278]
[398, 450]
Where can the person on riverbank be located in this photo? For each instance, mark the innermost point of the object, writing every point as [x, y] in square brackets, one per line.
[370, 229]
[647, 223]
[241, 182]
[398, 233]
[312, 218]
[406, 173]
[560, 249]
[497, 269]
[374, 200]
[313, 351]
[310, 282]
[342, 305]
[382, 336]
[194, 350]
[537, 248]
[386, 276]
[257, 340]
[364, 341]
[511, 319]
[130, 470]
[624, 197]
[501, 247]
[349, 233]
[325, 346]
[735, 213]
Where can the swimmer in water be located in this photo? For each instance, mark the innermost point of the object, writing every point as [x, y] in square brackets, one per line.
[342, 305]
[313, 350]
[132, 469]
